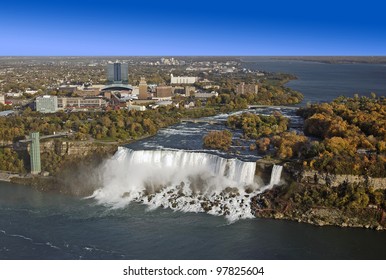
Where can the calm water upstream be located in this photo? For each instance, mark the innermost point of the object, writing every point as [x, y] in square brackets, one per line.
[324, 82]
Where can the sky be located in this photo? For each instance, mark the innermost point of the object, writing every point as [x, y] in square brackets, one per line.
[142, 27]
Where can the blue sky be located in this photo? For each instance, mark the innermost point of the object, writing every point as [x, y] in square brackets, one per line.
[119, 27]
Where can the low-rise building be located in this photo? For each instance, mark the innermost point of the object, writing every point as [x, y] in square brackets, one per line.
[205, 95]
[80, 102]
[182, 80]
[135, 91]
[163, 91]
[89, 91]
[189, 90]
[178, 90]
[46, 104]
[2, 99]
[68, 89]
[163, 103]
[31, 92]
[15, 94]
[244, 88]
[136, 107]
[210, 86]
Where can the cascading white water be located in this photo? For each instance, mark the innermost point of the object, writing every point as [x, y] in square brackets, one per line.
[275, 175]
[180, 180]
[181, 161]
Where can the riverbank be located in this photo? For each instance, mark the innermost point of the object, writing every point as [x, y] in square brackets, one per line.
[347, 204]
[369, 218]
[73, 165]
[6, 176]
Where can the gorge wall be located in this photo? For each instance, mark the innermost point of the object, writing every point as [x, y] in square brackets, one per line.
[310, 176]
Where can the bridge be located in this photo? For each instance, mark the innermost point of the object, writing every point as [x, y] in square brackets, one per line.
[56, 135]
[201, 121]
[272, 106]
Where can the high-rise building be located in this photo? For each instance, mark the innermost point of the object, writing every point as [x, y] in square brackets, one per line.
[118, 73]
[142, 89]
[35, 153]
[47, 104]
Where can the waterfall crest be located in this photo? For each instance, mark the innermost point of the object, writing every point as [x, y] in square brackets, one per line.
[188, 162]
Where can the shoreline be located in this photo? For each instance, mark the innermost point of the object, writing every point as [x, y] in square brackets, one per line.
[317, 216]
[6, 176]
[282, 203]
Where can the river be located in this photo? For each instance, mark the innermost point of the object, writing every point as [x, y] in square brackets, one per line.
[117, 223]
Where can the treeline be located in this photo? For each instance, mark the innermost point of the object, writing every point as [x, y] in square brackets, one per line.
[344, 205]
[350, 136]
[268, 95]
[10, 161]
[118, 125]
[345, 196]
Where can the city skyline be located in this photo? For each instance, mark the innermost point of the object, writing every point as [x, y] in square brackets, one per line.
[121, 27]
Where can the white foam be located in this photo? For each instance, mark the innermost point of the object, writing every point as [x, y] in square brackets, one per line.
[180, 180]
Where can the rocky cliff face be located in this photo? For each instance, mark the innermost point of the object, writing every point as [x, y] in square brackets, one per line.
[75, 148]
[336, 180]
[322, 199]
[74, 166]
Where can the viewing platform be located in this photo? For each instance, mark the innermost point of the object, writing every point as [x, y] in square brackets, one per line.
[56, 135]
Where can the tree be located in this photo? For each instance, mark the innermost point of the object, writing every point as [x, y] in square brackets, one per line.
[112, 132]
[221, 140]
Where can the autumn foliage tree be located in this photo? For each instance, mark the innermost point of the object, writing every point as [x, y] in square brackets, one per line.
[351, 135]
[221, 140]
[255, 126]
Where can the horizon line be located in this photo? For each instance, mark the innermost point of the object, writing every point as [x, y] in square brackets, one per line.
[196, 55]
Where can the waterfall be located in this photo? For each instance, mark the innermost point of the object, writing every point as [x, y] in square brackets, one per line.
[275, 175]
[171, 161]
[181, 180]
